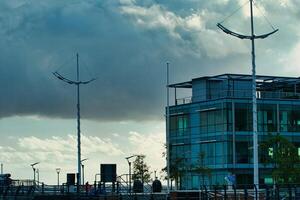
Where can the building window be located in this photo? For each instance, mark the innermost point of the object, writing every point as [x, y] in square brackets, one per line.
[179, 124]
[213, 119]
[267, 118]
[289, 118]
[243, 117]
[242, 152]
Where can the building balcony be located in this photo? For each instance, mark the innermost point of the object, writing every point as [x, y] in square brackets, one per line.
[244, 94]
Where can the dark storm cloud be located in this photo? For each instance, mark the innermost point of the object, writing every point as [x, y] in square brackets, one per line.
[124, 43]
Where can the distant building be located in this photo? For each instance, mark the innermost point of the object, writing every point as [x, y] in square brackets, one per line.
[217, 122]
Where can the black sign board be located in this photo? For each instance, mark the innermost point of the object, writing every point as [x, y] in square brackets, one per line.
[108, 172]
[71, 179]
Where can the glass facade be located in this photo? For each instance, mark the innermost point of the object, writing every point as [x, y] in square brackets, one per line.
[222, 131]
[217, 125]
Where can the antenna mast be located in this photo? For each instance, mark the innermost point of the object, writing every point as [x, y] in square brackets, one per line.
[77, 83]
[252, 37]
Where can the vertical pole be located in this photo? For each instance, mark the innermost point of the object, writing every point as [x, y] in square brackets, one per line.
[33, 176]
[1, 168]
[38, 176]
[58, 179]
[129, 177]
[78, 123]
[82, 174]
[254, 104]
[233, 138]
[168, 131]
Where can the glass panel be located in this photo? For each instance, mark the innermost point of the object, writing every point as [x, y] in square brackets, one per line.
[242, 152]
[243, 117]
[267, 118]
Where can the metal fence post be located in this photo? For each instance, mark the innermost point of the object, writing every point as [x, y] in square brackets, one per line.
[234, 192]
[295, 191]
[225, 192]
[245, 193]
[43, 188]
[290, 192]
[206, 193]
[267, 193]
[215, 191]
[256, 196]
[277, 192]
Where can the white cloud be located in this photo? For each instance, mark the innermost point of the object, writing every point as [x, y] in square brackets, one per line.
[291, 61]
[57, 149]
[53, 152]
[191, 31]
[151, 145]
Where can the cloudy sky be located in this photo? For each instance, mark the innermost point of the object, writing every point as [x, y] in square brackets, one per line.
[125, 45]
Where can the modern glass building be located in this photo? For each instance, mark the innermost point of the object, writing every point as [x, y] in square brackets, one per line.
[216, 122]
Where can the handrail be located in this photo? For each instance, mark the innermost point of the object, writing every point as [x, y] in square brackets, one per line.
[237, 94]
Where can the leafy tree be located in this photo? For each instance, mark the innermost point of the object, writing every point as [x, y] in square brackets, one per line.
[141, 170]
[201, 169]
[176, 171]
[283, 155]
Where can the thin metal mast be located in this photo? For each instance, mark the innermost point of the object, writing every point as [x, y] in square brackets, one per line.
[77, 83]
[254, 104]
[168, 131]
[252, 37]
[78, 125]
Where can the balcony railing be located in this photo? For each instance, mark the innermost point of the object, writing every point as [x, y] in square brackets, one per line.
[238, 94]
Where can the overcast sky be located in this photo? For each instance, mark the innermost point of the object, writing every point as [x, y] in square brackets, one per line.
[125, 45]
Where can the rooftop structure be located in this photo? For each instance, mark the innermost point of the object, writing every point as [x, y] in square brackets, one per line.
[239, 86]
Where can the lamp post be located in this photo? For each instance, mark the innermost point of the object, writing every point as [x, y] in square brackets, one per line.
[76, 82]
[252, 38]
[129, 164]
[34, 171]
[82, 166]
[58, 171]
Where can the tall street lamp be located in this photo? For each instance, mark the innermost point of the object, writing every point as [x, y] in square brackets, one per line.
[34, 170]
[76, 82]
[82, 166]
[58, 171]
[129, 164]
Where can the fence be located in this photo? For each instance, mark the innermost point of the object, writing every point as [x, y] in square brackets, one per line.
[242, 192]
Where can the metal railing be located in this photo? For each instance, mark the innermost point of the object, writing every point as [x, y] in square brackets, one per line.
[240, 192]
[238, 94]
